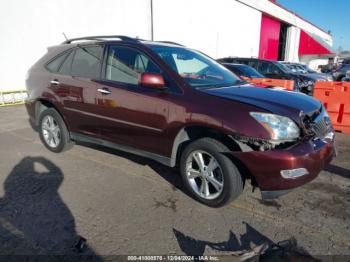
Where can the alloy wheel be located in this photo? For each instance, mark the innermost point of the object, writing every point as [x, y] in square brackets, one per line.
[51, 131]
[204, 174]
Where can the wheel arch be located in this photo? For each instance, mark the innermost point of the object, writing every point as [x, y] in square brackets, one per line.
[193, 132]
[41, 105]
[190, 133]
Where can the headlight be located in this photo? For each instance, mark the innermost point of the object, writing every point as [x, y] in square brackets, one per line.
[279, 127]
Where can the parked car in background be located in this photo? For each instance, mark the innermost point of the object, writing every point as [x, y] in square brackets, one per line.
[340, 72]
[347, 77]
[276, 70]
[243, 71]
[304, 69]
[181, 108]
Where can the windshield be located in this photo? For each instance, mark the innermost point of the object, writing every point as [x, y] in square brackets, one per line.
[284, 67]
[196, 69]
[308, 69]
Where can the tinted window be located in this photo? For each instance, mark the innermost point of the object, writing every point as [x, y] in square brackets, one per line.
[249, 72]
[253, 63]
[66, 66]
[268, 68]
[87, 61]
[54, 65]
[126, 64]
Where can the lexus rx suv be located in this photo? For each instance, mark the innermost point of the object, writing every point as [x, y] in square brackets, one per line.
[181, 108]
[276, 70]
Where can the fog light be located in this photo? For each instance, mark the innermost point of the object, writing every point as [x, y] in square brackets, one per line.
[294, 173]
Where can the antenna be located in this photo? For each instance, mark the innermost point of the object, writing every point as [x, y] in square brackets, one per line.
[65, 36]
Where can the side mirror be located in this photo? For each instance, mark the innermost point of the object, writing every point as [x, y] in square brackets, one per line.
[152, 80]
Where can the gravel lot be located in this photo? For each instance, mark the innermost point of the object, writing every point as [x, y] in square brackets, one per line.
[123, 204]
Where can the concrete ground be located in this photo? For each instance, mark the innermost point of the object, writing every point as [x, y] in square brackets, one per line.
[123, 204]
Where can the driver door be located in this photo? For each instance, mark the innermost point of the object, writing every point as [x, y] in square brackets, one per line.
[130, 114]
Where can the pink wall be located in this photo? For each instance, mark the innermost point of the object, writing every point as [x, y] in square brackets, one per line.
[269, 38]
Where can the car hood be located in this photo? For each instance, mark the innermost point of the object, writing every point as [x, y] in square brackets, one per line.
[272, 100]
[317, 76]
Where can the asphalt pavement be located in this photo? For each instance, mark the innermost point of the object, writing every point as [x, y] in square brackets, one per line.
[122, 204]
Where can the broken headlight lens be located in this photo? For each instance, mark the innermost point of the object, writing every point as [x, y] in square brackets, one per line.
[279, 127]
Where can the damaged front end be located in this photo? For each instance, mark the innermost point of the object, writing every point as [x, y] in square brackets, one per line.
[279, 165]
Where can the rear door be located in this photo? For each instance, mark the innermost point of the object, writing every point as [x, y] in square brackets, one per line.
[78, 76]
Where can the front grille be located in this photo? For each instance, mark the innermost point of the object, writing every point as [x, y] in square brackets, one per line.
[318, 124]
[320, 127]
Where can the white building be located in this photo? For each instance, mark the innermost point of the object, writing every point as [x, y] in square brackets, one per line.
[245, 28]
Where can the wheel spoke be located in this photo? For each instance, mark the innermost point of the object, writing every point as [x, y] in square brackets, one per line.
[50, 121]
[213, 164]
[192, 173]
[45, 126]
[55, 130]
[198, 157]
[50, 140]
[204, 190]
[216, 184]
[55, 138]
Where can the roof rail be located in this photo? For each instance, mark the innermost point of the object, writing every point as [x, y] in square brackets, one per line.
[170, 42]
[121, 37]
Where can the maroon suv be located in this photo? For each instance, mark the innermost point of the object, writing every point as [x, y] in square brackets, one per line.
[181, 108]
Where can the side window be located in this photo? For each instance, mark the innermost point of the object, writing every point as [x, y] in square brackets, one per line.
[253, 64]
[66, 66]
[54, 65]
[87, 61]
[268, 68]
[125, 64]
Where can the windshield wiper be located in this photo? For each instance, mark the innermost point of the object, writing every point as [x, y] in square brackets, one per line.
[238, 82]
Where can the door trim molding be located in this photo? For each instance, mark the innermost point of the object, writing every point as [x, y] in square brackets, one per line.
[88, 139]
[114, 120]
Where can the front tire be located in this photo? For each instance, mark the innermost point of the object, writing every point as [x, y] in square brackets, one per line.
[53, 131]
[208, 174]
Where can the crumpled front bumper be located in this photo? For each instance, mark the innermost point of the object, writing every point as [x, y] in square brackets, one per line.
[266, 166]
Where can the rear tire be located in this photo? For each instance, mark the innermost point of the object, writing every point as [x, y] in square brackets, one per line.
[208, 174]
[53, 131]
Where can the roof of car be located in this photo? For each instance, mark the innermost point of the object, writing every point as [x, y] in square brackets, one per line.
[117, 38]
[234, 64]
[247, 58]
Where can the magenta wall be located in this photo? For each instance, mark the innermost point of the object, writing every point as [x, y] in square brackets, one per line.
[269, 38]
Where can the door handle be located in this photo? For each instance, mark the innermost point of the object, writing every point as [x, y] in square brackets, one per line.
[54, 82]
[104, 91]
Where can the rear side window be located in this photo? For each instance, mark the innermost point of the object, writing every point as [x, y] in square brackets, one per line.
[269, 68]
[253, 63]
[87, 62]
[54, 65]
[66, 66]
